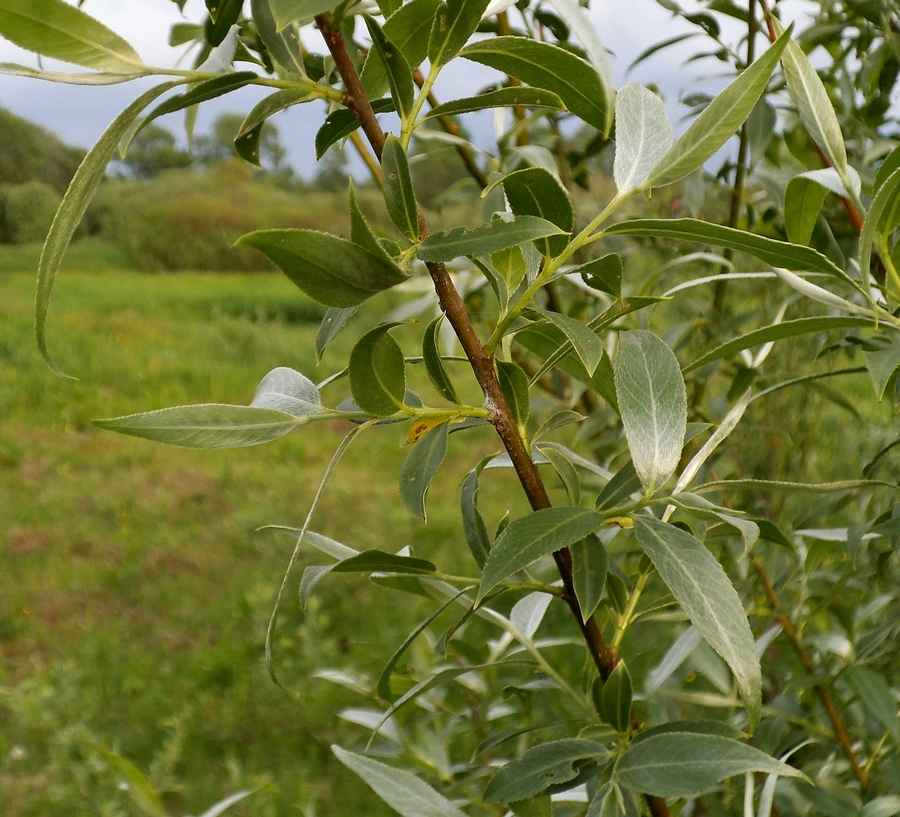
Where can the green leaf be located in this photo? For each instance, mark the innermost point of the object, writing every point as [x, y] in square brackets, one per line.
[81, 189]
[883, 361]
[56, 29]
[542, 766]
[454, 23]
[778, 331]
[402, 791]
[814, 105]
[686, 764]
[377, 561]
[876, 697]
[408, 29]
[520, 95]
[719, 120]
[212, 425]
[377, 373]
[705, 593]
[360, 232]
[246, 142]
[527, 539]
[335, 319]
[589, 568]
[587, 344]
[565, 470]
[702, 508]
[615, 699]
[620, 488]
[434, 364]
[287, 11]
[343, 122]
[138, 786]
[283, 45]
[803, 200]
[604, 274]
[395, 67]
[644, 135]
[653, 404]
[287, 390]
[485, 239]
[883, 204]
[200, 92]
[790, 487]
[420, 466]
[534, 191]
[774, 252]
[547, 66]
[223, 805]
[514, 383]
[397, 186]
[329, 269]
[886, 806]
[475, 530]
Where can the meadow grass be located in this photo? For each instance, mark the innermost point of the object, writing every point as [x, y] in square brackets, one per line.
[135, 587]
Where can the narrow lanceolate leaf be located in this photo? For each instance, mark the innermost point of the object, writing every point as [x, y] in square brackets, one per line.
[201, 92]
[719, 120]
[543, 65]
[79, 78]
[615, 699]
[774, 252]
[287, 390]
[876, 696]
[803, 200]
[644, 134]
[814, 105]
[526, 540]
[138, 786]
[287, 11]
[604, 274]
[402, 791]
[81, 189]
[283, 44]
[420, 466]
[331, 270]
[343, 122]
[408, 29]
[56, 29]
[335, 319]
[377, 373]
[377, 561]
[361, 233]
[514, 384]
[589, 568]
[534, 191]
[705, 593]
[876, 224]
[779, 331]
[475, 530]
[485, 239]
[454, 23]
[520, 95]
[586, 342]
[246, 142]
[883, 361]
[682, 764]
[542, 766]
[653, 404]
[395, 67]
[434, 364]
[211, 425]
[397, 186]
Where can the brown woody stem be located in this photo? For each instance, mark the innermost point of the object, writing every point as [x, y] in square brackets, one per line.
[482, 363]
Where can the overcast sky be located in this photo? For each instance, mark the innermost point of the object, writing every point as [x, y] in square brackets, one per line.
[80, 114]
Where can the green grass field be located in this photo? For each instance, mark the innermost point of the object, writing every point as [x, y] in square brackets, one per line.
[135, 588]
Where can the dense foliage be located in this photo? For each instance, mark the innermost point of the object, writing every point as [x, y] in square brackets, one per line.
[710, 549]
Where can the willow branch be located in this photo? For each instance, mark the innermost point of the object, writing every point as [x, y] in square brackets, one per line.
[840, 731]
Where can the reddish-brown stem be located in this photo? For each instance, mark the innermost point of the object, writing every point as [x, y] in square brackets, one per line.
[840, 731]
[605, 657]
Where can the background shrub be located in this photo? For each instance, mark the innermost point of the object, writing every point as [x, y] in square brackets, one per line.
[26, 211]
